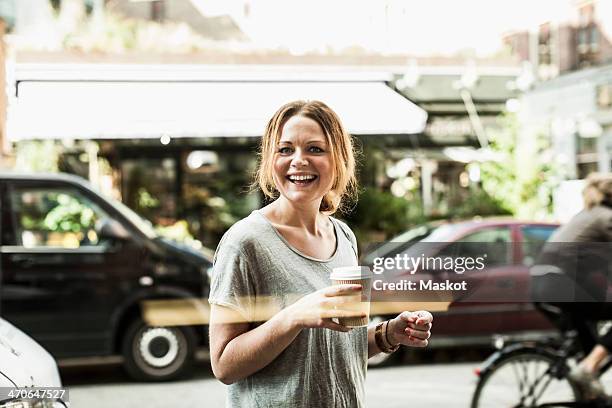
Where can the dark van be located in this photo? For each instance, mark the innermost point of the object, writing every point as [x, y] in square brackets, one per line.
[76, 268]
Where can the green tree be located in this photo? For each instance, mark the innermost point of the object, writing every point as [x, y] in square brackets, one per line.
[524, 175]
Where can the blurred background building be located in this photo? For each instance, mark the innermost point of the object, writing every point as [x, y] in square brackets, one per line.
[569, 97]
[160, 104]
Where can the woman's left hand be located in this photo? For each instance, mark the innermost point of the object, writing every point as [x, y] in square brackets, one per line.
[410, 328]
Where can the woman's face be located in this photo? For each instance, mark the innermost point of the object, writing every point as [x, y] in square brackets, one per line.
[303, 164]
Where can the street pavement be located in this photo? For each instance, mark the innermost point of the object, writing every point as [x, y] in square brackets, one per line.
[437, 385]
[431, 386]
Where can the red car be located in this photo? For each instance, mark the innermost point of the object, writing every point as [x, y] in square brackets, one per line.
[498, 301]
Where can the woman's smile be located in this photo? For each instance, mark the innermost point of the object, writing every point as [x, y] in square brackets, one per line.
[302, 179]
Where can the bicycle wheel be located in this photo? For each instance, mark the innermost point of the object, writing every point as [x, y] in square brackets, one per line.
[523, 380]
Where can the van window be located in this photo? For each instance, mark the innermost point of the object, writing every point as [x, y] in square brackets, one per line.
[54, 217]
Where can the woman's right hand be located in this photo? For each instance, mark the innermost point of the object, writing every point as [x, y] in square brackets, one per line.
[317, 309]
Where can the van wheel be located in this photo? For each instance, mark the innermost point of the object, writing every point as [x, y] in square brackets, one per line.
[382, 359]
[154, 353]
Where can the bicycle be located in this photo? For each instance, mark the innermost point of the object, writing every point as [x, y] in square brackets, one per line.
[534, 374]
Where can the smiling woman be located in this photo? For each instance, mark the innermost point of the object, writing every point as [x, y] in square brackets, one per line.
[297, 355]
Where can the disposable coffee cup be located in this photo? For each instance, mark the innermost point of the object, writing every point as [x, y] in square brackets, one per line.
[351, 275]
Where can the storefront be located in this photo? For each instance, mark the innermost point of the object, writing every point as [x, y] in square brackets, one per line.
[181, 140]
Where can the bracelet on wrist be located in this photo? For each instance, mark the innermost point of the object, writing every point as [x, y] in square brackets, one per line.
[381, 341]
[392, 347]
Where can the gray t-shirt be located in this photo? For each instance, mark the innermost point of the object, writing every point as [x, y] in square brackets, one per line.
[321, 367]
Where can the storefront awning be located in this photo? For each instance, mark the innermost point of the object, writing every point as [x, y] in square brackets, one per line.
[63, 109]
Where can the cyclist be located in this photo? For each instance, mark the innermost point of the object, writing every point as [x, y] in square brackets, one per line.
[572, 274]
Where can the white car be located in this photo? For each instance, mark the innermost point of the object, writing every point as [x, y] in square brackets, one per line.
[25, 364]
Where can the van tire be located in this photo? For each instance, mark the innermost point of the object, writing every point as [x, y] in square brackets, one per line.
[154, 353]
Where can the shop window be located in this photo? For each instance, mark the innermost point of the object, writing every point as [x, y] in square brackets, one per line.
[149, 187]
[216, 191]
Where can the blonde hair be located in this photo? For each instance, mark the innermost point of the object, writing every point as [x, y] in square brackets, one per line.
[598, 190]
[339, 141]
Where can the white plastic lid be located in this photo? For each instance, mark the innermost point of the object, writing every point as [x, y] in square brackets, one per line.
[351, 272]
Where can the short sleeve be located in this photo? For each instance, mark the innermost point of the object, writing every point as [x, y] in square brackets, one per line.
[231, 284]
[351, 237]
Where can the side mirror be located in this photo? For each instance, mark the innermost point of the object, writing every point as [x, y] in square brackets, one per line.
[111, 229]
